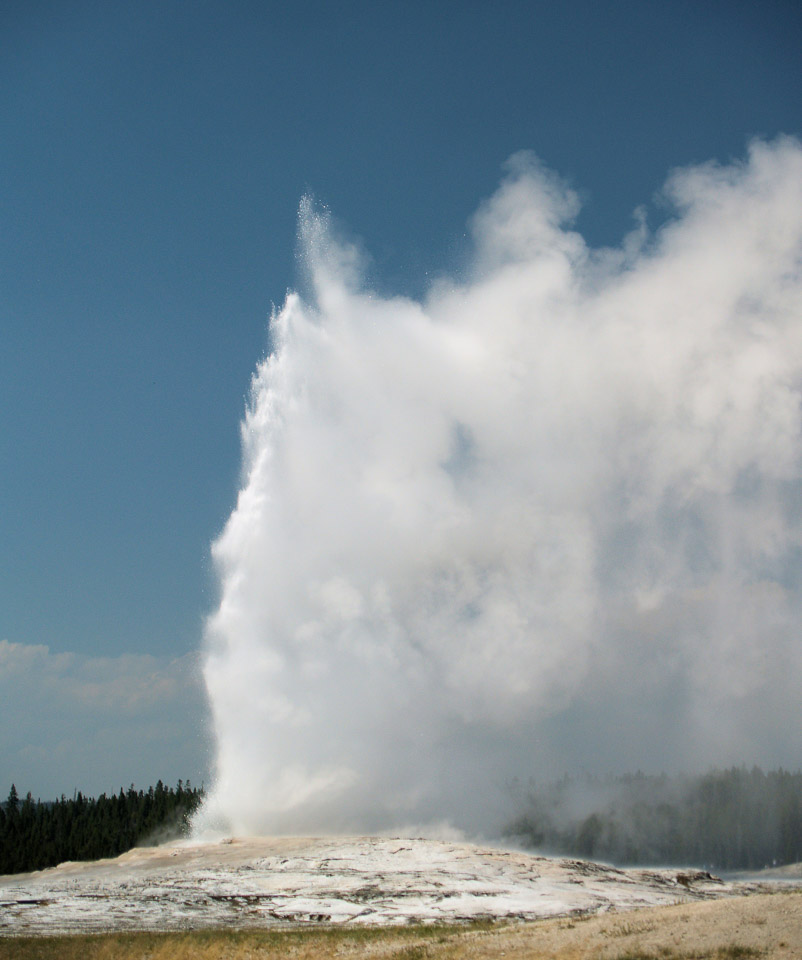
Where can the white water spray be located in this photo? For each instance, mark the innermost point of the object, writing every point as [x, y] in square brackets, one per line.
[548, 517]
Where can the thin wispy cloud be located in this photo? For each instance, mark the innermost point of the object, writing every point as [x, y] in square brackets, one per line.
[133, 717]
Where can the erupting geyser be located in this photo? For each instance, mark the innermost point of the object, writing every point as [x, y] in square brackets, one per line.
[548, 517]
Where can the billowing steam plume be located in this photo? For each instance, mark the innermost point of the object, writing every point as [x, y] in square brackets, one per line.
[550, 517]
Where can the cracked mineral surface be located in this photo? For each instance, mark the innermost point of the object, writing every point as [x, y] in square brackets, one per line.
[360, 880]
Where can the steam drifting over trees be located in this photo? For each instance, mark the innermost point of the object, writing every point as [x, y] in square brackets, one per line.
[735, 819]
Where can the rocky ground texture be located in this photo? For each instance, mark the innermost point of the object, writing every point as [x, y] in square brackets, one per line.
[259, 882]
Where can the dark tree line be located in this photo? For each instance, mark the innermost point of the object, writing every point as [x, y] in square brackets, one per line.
[34, 835]
[735, 819]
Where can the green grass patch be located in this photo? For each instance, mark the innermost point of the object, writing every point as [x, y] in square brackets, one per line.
[729, 952]
[407, 942]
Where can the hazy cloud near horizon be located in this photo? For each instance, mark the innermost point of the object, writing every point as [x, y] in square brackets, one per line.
[549, 517]
[98, 723]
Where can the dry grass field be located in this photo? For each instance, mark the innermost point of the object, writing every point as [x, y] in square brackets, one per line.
[764, 925]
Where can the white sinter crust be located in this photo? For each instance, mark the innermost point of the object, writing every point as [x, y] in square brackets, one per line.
[361, 880]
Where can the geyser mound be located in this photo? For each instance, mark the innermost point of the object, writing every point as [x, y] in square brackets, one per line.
[359, 881]
[547, 517]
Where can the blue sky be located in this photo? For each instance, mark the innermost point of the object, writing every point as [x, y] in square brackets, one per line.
[152, 160]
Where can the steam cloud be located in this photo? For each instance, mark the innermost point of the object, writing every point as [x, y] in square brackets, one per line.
[550, 517]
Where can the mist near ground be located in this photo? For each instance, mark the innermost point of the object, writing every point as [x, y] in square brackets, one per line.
[546, 519]
[730, 820]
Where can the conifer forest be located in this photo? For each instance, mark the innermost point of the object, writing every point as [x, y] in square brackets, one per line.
[34, 835]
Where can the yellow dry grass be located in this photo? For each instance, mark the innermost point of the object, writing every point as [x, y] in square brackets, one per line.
[766, 926]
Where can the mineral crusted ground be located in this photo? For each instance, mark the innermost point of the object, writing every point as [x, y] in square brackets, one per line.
[361, 880]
